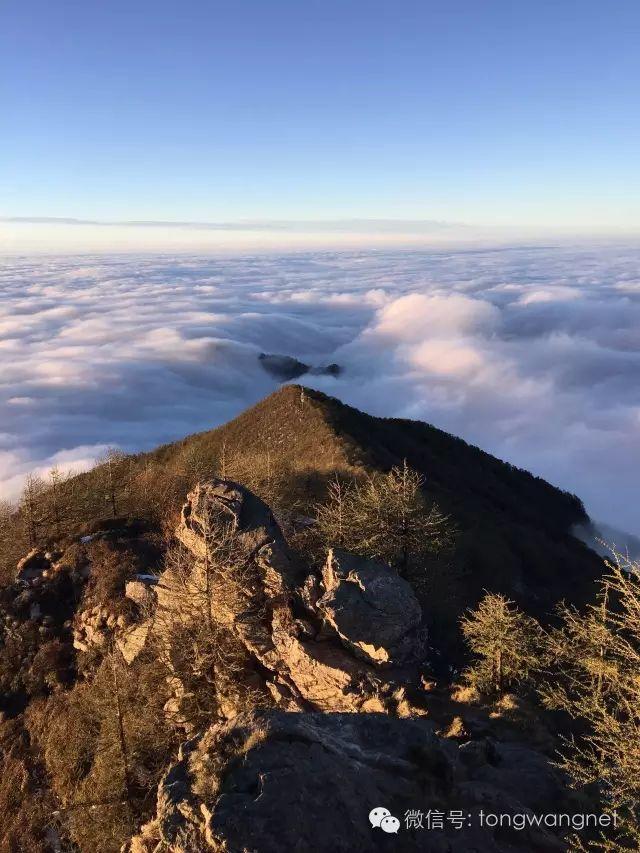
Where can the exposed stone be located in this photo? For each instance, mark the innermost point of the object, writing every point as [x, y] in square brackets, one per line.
[206, 502]
[372, 609]
[32, 566]
[222, 502]
[329, 670]
[95, 628]
[132, 641]
[339, 658]
[279, 781]
[141, 593]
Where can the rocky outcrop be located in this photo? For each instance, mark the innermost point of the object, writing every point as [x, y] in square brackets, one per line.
[219, 508]
[32, 565]
[339, 653]
[141, 591]
[38, 565]
[94, 627]
[371, 608]
[359, 614]
[295, 782]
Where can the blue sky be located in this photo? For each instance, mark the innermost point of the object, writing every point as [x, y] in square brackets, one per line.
[490, 113]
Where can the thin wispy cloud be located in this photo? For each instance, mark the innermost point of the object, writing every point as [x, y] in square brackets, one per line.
[384, 226]
[27, 235]
[531, 353]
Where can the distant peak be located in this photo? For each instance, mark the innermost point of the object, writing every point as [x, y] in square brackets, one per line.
[286, 367]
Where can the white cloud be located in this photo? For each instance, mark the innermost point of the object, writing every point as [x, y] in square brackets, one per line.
[550, 294]
[417, 315]
[533, 354]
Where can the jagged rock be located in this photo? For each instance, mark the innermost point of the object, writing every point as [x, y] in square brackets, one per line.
[327, 676]
[324, 675]
[330, 671]
[141, 593]
[245, 514]
[132, 641]
[221, 515]
[283, 696]
[206, 504]
[94, 628]
[372, 609]
[32, 566]
[297, 781]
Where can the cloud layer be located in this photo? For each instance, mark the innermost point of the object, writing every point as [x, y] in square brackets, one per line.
[531, 353]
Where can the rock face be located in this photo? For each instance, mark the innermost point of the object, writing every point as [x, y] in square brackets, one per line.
[132, 641]
[296, 782]
[220, 508]
[371, 608]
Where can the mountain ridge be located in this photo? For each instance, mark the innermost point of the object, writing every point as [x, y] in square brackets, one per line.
[512, 523]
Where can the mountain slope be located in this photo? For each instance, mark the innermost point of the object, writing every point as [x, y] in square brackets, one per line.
[514, 528]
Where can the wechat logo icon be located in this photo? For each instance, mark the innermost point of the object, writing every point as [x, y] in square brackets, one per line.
[383, 819]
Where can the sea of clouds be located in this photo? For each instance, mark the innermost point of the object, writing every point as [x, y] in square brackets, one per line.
[532, 353]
